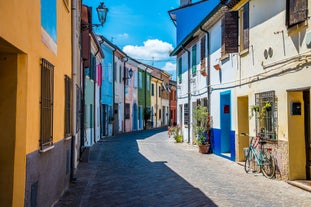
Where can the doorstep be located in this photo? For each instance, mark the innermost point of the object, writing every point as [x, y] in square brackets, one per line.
[303, 184]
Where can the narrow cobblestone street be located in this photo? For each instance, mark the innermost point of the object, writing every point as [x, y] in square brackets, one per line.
[149, 169]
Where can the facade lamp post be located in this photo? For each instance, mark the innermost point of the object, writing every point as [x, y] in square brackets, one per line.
[102, 11]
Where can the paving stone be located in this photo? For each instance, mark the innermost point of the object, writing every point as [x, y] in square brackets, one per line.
[146, 168]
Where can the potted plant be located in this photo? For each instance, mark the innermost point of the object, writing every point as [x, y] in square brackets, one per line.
[201, 128]
[254, 110]
[176, 132]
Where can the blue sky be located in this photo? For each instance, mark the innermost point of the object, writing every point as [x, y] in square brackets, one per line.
[141, 28]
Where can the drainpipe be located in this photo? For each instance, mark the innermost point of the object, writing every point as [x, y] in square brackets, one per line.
[189, 92]
[74, 27]
[157, 111]
[124, 81]
[145, 121]
[208, 79]
[113, 90]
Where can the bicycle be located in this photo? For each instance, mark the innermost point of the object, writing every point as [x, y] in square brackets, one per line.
[263, 157]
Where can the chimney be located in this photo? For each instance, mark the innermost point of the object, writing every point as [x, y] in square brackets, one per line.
[185, 2]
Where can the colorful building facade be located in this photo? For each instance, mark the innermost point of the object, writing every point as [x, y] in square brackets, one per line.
[34, 75]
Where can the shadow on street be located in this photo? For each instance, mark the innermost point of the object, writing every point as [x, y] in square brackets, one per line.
[118, 175]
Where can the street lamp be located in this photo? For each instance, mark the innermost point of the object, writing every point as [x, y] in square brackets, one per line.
[129, 75]
[102, 11]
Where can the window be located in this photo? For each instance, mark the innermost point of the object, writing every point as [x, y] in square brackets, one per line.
[120, 74]
[135, 79]
[159, 91]
[186, 114]
[296, 12]
[266, 117]
[229, 33]
[140, 80]
[127, 111]
[48, 18]
[179, 70]
[67, 106]
[194, 60]
[152, 89]
[244, 27]
[148, 82]
[160, 113]
[46, 111]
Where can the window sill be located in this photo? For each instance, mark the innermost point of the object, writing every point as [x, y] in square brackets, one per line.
[68, 138]
[46, 149]
[244, 52]
[292, 30]
[224, 57]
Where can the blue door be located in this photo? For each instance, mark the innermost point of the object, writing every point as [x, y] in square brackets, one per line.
[140, 117]
[225, 122]
[135, 118]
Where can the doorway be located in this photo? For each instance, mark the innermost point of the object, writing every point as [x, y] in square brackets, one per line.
[225, 123]
[306, 101]
[243, 127]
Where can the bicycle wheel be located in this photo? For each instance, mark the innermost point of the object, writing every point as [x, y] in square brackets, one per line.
[268, 167]
[248, 160]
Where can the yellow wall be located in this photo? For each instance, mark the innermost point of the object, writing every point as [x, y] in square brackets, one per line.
[296, 139]
[21, 27]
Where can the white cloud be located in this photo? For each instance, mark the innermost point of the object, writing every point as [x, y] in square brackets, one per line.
[169, 67]
[152, 49]
[123, 36]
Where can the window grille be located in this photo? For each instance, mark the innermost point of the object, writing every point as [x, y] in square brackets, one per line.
[47, 95]
[266, 118]
[127, 111]
[67, 106]
[186, 114]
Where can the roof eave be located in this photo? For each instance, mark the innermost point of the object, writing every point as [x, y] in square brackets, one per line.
[191, 35]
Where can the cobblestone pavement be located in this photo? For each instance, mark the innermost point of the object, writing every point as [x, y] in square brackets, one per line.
[147, 168]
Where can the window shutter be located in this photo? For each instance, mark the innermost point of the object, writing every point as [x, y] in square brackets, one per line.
[296, 11]
[194, 60]
[203, 49]
[230, 33]
[246, 26]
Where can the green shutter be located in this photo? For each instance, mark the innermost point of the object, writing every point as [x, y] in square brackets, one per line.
[179, 70]
[194, 59]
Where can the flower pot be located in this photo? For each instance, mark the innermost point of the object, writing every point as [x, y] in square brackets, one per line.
[204, 148]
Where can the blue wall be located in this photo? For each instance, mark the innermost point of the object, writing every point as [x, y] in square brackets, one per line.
[216, 143]
[107, 77]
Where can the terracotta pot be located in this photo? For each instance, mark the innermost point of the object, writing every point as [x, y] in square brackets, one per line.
[204, 148]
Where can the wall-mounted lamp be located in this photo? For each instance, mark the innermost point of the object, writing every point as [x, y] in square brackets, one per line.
[102, 11]
[129, 75]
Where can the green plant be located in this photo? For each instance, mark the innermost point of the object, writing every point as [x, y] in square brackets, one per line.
[178, 138]
[254, 110]
[201, 124]
[176, 132]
